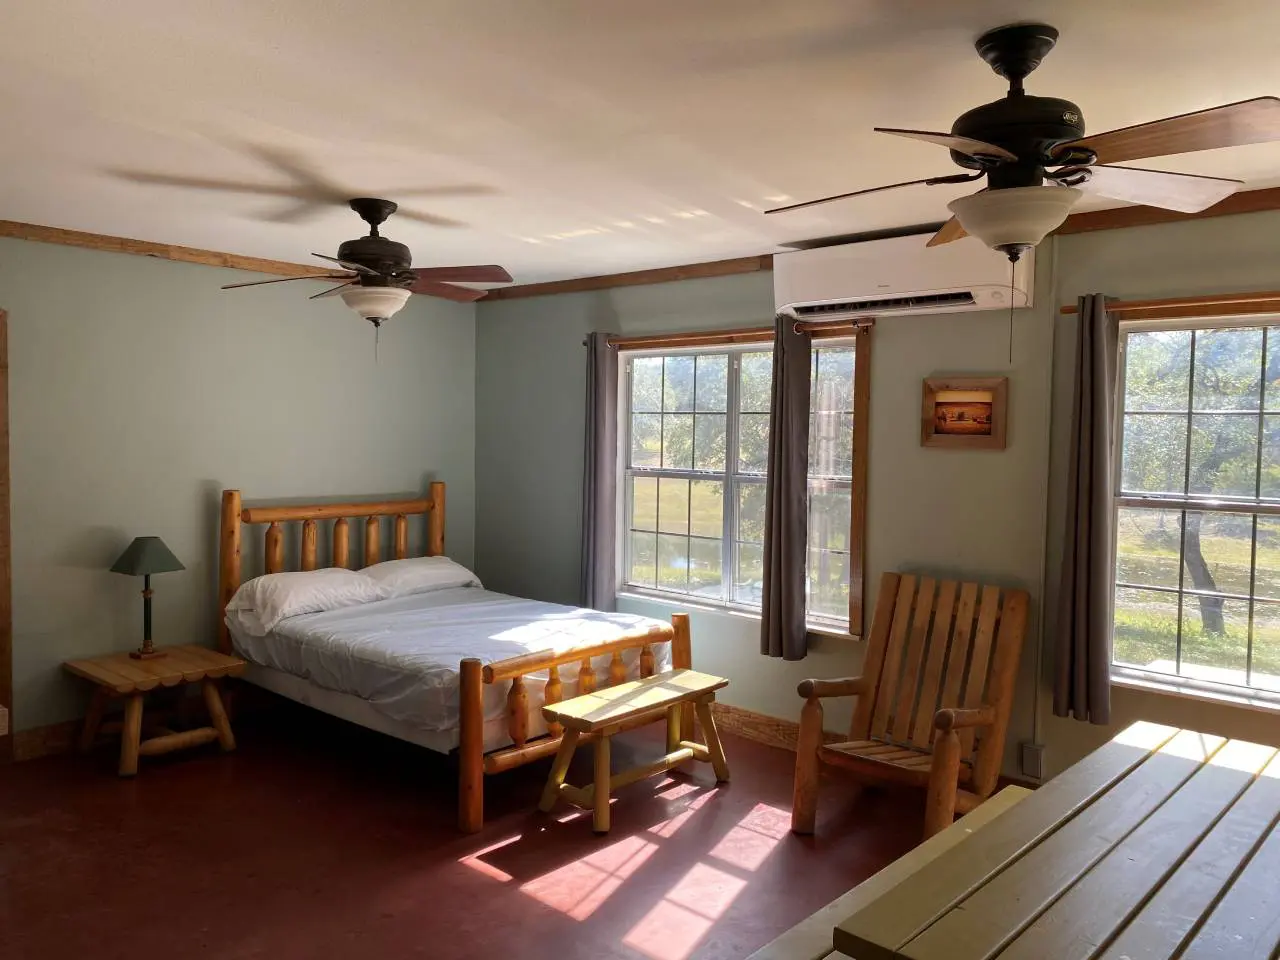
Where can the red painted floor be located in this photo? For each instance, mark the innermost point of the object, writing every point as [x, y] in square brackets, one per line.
[317, 839]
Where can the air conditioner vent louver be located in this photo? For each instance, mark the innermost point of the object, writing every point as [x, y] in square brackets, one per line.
[957, 298]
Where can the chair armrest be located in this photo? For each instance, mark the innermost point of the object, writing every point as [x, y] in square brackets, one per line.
[955, 719]
[843, 687]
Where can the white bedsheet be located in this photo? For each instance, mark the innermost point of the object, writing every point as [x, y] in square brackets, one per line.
[402, 655]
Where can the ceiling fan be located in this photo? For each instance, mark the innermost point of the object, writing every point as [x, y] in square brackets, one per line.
[379, 277]
[1038, 162]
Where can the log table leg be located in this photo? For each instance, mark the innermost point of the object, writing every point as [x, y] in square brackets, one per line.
[600, 793]
[712, 737]
[93, 719]
[559, 769]
[131, 735]
[218, 715]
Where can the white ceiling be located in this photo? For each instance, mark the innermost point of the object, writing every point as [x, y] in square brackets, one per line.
[604, 135]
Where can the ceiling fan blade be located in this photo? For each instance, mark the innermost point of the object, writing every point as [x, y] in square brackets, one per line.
[333, 291]
[966, 145]
[258, 283]
[488, 273]
[428, 218]
[356, 267]
[446, 291]
[951, 230]
[458, 190]
[953, 178]
[1232, 125]
[1184, 192]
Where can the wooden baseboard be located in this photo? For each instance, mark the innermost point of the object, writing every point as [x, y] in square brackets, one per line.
[760, 727]
[45, 741]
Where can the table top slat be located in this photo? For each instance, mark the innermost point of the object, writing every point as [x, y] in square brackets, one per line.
[601, 708]
[123, 674]
[899, 915]
[1191, 891]
[1094, 910]
[997, 911]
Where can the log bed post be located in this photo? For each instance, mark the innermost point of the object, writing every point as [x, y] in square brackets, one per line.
[228, 562]
[682, 659]
[471, 746]
[435, 519]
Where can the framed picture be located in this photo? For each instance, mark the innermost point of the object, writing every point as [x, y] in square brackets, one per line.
[965, 413]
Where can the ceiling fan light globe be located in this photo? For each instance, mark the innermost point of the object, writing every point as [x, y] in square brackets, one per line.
[375, 302]
[1014, 218]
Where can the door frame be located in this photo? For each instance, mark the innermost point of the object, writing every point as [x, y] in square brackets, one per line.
[6, 546]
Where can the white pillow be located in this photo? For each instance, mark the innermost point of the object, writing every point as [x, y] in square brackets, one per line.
[263, 602]
[401, 578]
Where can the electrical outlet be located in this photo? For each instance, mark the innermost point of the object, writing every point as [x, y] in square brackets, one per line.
[1032, 760]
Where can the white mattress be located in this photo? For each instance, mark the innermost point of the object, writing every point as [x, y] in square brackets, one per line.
[400, 657]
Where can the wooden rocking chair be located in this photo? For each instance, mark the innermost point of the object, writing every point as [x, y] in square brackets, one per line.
[933, 699]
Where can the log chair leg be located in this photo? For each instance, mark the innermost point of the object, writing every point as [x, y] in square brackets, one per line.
[131, 735]
[93, 719]
[564, 757]
[712, 737]
[218, 715]
[944, 777]
[804, 798]
[600, 792]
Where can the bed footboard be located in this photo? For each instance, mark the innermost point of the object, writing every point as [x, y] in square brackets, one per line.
[474, 763]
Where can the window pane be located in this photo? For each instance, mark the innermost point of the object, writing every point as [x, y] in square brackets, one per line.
[833, 384]
[707, 509]
[828, 584]
[1147, 546]
[646, 439]
[673, 505]
[1266, 646]
[1272, 400]
[1215, 638]
[749, 581]
[1157, 366]
[831, 445]
[751, 512]
[1267, 578]
[673, 563]
[1154, 457]
[677, 388]
[713, 382]
[1224, 455]
[1218, 552]
[753, 442]
[1270, 486]
[1228, 370]
[1146, 629]
[755, 381]
[646, 385]
[644, 554]
[828, 517]
[709, 441]
[677, 441]
[705, 568]
[644, 503]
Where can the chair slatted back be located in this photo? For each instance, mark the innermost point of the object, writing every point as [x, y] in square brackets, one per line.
[938, 644]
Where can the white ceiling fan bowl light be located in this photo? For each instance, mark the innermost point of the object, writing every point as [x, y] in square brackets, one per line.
[1013, 219]
[375, 303]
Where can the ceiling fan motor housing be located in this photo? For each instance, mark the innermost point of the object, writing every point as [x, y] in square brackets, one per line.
[386, 256]
[1025, 125]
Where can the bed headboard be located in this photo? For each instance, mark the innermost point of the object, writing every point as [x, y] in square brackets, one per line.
[235, 516]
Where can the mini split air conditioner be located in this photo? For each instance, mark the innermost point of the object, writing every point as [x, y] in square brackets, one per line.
[897, 276]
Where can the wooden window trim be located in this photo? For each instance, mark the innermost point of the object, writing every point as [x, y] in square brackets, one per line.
[1208, 307]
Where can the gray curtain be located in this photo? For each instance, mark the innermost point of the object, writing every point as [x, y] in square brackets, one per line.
[782, 629]
[600, 476]
[1082, 669]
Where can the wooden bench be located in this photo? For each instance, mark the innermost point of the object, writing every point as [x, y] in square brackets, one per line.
[602, 713]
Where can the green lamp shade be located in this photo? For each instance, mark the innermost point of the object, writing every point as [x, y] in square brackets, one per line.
[145, 556]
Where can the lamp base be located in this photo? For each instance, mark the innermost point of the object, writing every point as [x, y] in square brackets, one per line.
[141, 654]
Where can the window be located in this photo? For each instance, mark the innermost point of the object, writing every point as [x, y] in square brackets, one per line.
[1197, 571]
[696, 449]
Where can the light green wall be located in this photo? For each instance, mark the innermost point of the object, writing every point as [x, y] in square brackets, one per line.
[138, 390]
[977, 513]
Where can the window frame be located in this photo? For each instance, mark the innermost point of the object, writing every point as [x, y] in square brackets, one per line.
[734, 344]
[1131, 675]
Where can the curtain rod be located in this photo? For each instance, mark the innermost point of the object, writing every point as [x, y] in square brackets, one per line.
[820, 329]
[1217, 305]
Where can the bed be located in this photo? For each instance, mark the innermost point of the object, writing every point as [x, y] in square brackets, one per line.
[462, 670]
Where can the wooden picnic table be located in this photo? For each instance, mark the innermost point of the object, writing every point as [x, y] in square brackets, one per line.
[1161, 844]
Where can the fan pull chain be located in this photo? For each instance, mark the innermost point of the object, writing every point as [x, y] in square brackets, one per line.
[1012, 265]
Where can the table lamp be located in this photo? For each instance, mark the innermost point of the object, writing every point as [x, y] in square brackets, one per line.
[142, 558]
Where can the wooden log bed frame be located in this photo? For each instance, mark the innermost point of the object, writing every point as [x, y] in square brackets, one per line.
[473, 762]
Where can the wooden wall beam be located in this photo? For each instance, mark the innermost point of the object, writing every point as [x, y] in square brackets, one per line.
[637, 278]
[145, 248]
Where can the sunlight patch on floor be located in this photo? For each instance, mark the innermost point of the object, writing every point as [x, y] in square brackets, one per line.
[579, 888]
[668, 827]
[476, 863]
[748, 844]
[673, 928]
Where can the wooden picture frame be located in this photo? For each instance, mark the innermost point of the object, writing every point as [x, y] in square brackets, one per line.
[965, 413]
